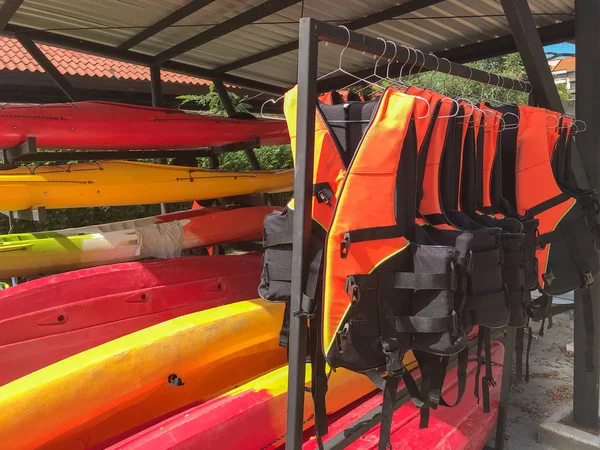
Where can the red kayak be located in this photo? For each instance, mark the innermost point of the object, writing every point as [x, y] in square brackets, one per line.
[96, 125]
[52, 318]
[252, 417]
[464, 427]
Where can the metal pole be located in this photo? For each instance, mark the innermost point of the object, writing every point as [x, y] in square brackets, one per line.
[586, 390]
[305, 140]
[224, 97]
[509, 348]
[530, 47]
[157, 101]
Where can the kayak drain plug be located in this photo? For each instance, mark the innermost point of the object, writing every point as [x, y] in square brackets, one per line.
[174, 380]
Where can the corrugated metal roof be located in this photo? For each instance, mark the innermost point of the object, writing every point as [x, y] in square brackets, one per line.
[449, 24]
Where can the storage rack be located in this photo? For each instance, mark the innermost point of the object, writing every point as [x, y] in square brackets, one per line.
[311, 33]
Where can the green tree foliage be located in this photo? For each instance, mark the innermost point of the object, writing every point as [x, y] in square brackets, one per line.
[212, 102]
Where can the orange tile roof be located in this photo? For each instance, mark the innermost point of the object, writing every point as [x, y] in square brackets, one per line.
[14, 57]
[567, 64]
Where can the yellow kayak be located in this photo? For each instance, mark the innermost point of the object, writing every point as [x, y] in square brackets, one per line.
[99, 393]
[118, 183]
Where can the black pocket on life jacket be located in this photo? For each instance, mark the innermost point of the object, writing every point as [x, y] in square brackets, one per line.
[513, 277]
[277, 261]
[407, 302]
[572, 260]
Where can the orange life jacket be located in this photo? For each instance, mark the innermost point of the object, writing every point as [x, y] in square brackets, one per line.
[565, 252]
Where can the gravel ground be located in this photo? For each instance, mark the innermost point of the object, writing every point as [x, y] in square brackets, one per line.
[549, 388]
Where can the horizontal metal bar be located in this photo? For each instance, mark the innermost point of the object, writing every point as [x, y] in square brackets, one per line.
[362, 22]
[165, 22]
[247, 17]
[550, 34]
[344, 37]
[105, 155]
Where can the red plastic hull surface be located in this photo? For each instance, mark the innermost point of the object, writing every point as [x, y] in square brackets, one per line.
[464, 427]
[95, 125]
[247, 421]
[52, 318]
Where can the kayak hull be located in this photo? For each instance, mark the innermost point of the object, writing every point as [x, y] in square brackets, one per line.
[49, 319]
[84, 125]
[253, 417]
[28, 254]
[136, 378]
[464, 427]
[120, 183]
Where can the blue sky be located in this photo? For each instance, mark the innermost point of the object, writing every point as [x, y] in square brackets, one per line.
[561, 48]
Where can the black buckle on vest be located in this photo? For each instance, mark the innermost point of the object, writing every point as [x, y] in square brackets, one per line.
[342, 338]
[345, 246]
[456, 326]
[393, 363]
[352, 290]
[323, 193]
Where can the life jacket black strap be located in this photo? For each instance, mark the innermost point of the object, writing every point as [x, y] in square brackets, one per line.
[387, 412]
[484, 341]
[463, 362]
[544, 206]
[404, 280]
[369, 234]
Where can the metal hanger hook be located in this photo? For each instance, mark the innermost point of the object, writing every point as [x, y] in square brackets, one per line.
[381, 56]
[387, 73]
[405, 62]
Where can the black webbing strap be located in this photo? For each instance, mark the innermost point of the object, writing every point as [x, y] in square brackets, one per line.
[419, 324]
[463, 362]
[391, 348]
[544, 239]
[387, 412]
[435, 219]
[427, 363]
[319, 378]
[406, 280]
[528, 354]
[424, 281]
[488, 379]
[285, 327]
[588, 323]
[323, 193]
[544, 206]
[513, 259]
[478, 357]
[272, 239]
[368, 234]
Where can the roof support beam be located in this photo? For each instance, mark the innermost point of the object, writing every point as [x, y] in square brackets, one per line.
[247, 17]
[224, 97]
[586, 381]
[503, 45]
[8, 10]
[156, 86]
[164, 23]
[107, 51]
[407, 7]
[529, 45]
[60, 80]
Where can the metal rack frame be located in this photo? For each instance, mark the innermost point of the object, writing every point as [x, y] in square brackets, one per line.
[311, 32]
